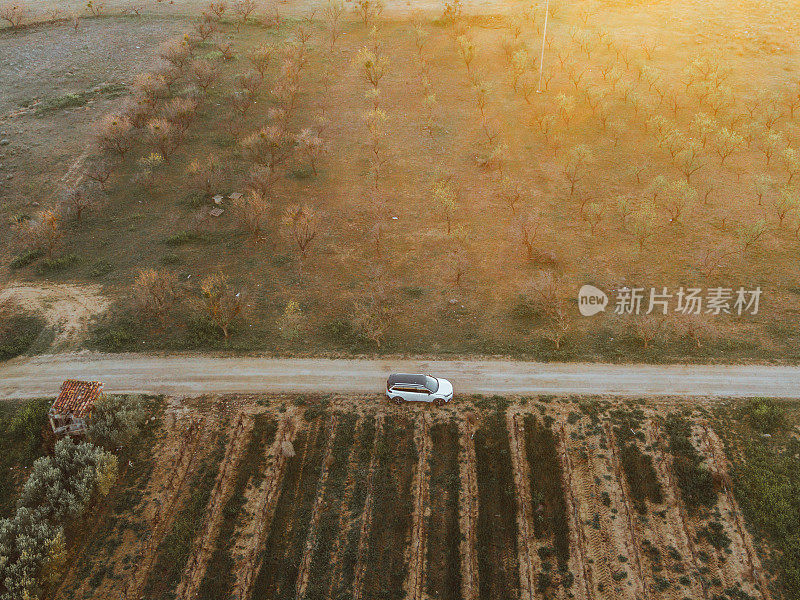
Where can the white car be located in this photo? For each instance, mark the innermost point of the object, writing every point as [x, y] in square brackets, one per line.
[406, 387]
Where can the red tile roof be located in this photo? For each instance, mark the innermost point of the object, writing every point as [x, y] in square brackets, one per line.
[77, 397]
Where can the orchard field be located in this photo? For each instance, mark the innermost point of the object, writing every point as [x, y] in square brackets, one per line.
[404, 186]
[341, 497]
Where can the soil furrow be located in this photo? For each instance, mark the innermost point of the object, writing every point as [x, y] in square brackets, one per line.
[631, 531]
[246, 568]
[528, 564]
[204, 546]
[316, 512]
[165, 513]
[468, 509]
[577, 533]
[415, 582]
[672, 498]
[366, 515]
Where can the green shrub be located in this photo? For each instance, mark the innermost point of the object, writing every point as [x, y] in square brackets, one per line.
[26, 258]
[185, 237]
[17, 334]
[56, 265]
[764, 415]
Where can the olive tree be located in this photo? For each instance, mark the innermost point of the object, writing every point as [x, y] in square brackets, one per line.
[116, 421]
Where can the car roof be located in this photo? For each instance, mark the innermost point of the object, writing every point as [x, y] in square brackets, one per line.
[407, 379]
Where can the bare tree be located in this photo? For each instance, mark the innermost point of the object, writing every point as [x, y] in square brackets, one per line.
[155, 292]
[647, 329]
[76, 201]
[270, 146]
[372, 65]
[180, 112]
[44, 231]
[218, 8]
[261, 57]
[176, 51]
[726, 143]
[204, 172]
[749, 233]
[244, 8]
[642, 224]
[678, 197]
[251, 210]
[791, 162]
[694, 327]
[577, 159]
[205, 27]
[548, 293]
[15, 14]
[301, 225]
[114, 134]
[527, 224]
[764, 185]
[99, 172]
[369, 11]
[203, 73]
[164, 136]
[786, 201]
[333, 15]
[771, 142]
[311, 147]
[223, 303]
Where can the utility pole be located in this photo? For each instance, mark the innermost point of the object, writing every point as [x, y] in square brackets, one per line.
[544, 36]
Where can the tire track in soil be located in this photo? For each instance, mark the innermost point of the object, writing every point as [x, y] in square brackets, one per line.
[163, 519]
[674, 502]
[316, 512]
[366, 515]
[529, 565]
[415, 582]
[594, 522]
[204, 546]
[345, 516]
[631, 531]
[468, 509]
[246, 568]
[663, 525]
[577, 532]
[742, 565]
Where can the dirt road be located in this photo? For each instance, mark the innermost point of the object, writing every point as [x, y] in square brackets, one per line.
[187, 375]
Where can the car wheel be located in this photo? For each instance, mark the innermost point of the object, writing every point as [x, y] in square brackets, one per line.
[398, 401]
[439, 401]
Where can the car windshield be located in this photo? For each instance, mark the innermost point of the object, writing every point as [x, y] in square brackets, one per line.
[431, 383]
